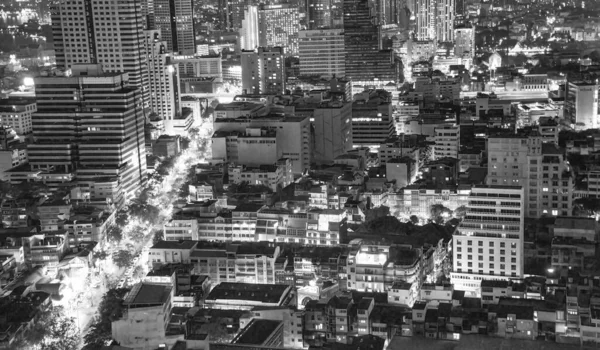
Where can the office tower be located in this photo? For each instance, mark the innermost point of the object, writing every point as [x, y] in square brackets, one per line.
[488, 243]
[163, 76]
[386, 11]
[108, 32]
[278, 25]
[89, 125]
[539, 167]
[333, 131]
[435, 20]
[322, 52]
[464, 40]
[175, 21]
[263, 71]
[147, 8]
[581, 104]
[364, 61]
[249, 30]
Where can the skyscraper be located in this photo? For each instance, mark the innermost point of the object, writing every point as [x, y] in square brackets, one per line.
[163, 75]
[108, 32]
[435, 20]
[263, 71]
[249, 31]
[322, 52]
[365, 62]
[278, 25]
[89, 126]
[488, 243]
[175, 21]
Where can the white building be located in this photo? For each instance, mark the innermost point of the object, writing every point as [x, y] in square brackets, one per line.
[249, 31]
[165, 99]
[447, 141]
[274, 176]
[581, 105]
[16, 113]
[488, 243]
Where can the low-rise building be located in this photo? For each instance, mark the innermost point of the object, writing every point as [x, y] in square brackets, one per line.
[145, 318]
[244, 296]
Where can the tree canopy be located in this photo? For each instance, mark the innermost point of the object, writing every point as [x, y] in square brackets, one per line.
[110, 309]
[52, 331]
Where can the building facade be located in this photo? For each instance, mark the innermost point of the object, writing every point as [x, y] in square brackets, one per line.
[322, 52]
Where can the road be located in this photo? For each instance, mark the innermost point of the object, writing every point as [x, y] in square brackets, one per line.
[166, 193]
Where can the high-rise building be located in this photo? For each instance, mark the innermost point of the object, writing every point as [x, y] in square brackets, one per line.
[435, 20]
[333, 131]
[263, 71]
[108, 32]
[539, 166]
[175, 21]
[365, 62]
[323, 14]
[372, 119]
[322, 52]
[278, 25]
[89, 125]
[488, 243]
[581, 104]
[464, 40]
[163, 76]
[249, 30]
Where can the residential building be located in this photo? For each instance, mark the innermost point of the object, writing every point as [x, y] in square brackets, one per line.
[163, 76]
[146, 316]
[496, 251]
[581, 104]
[166, 252]
[322, 52]
[194, 68]
[263, 71]
[435, 20]
[419, 199]
[99, 32]
[175, 21]
[49, 250]
[464, 41]
[245, 296]
[16, 113]
[365, 62]
[278, 26]
[447, 141]
[402, 171]
[574, 243]
[14, 213]
[273, 176]
[539, 167]
[398, 147]
[81, 144]
[375, 268]
[534, 113]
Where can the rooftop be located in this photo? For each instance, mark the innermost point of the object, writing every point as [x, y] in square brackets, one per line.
[257, 332]
[187, 245]
[147, 294]
[268, 293]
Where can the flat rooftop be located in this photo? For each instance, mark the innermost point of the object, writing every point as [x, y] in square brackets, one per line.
[268, 293]
[147, 294]
[257, 332]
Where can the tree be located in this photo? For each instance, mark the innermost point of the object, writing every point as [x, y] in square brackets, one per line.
[376, 213]
[439, 213]
[52, 331]
[460, 212]
[587, 206]
[122, 258]
[157, 236]
[115, 234]
[110, 309]
[414, 219]
[122, 218]
[217, 330]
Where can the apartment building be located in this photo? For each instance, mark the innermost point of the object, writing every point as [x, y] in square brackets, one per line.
[539, 167]
[273, 176]
[16, 113]
[447, 141]
[488, 243]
